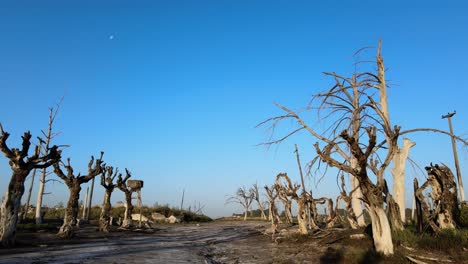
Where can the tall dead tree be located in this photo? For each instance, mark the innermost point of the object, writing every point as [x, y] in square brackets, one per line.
[256, 195]
[272, 194]
[74, 183]
[48, 136]
[283, 197]
[357, 110]
[107, 181]
[122, 185]
[398, 172]
[243, 197]
[21, 165]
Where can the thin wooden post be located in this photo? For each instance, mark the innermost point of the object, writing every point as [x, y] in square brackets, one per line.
[455, 156]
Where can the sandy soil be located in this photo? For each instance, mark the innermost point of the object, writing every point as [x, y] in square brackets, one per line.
[215, 242]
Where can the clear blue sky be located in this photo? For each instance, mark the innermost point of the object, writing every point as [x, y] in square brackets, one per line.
[172, 90]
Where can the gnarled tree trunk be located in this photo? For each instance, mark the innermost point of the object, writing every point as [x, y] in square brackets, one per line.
[10, 208]
[104, 220]
[20, 165]
[74, 186]
[71, 212]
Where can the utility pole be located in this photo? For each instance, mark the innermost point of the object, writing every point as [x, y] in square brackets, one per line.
[455, 156]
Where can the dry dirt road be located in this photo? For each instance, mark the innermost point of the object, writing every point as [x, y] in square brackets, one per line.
[216, 242]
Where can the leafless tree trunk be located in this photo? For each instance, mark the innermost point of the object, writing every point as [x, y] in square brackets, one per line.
[243, 197]
[107, 183]
[21, 165]
[357, 106]
[257, 199]
[288, 189]
[74, 186]
[287, 204]
[272, 194]
[122, 185]
[398, 172]
[48, 136]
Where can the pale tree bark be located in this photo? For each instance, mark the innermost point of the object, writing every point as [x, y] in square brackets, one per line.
[257, 199]
[74, 183]
[122, 185]
[21, 165]
[287, 189]
[272, 194]
[356, 202]
[398, 172]
[48, 136]
[243, 197]
[107, 181]
[287, 204]
[356, 106]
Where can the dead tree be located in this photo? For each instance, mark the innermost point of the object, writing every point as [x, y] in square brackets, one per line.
[122, 185]
[272, 194]
[107, 181]
[444, 198]
[283, 197]
[256, 195]
[398, 172]
[74, 183]
[288, 189]
[48, 136]
[350, 215]
[357, 110]
[21, 165]
[243, 197]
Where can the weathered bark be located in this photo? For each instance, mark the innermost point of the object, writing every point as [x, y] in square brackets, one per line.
[104, 220]
[10, 206]
[356, 197]
[302, 213]
[444, 198]
[289, 190]
[122, 185]
[398, 172]
[272, 194]
[284, 192]
[381, 232]
[21, 165]
[257, 199]
[393, 210]
[74, 186]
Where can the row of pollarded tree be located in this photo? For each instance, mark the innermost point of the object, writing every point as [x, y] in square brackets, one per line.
[359, 139]
[22, 163]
